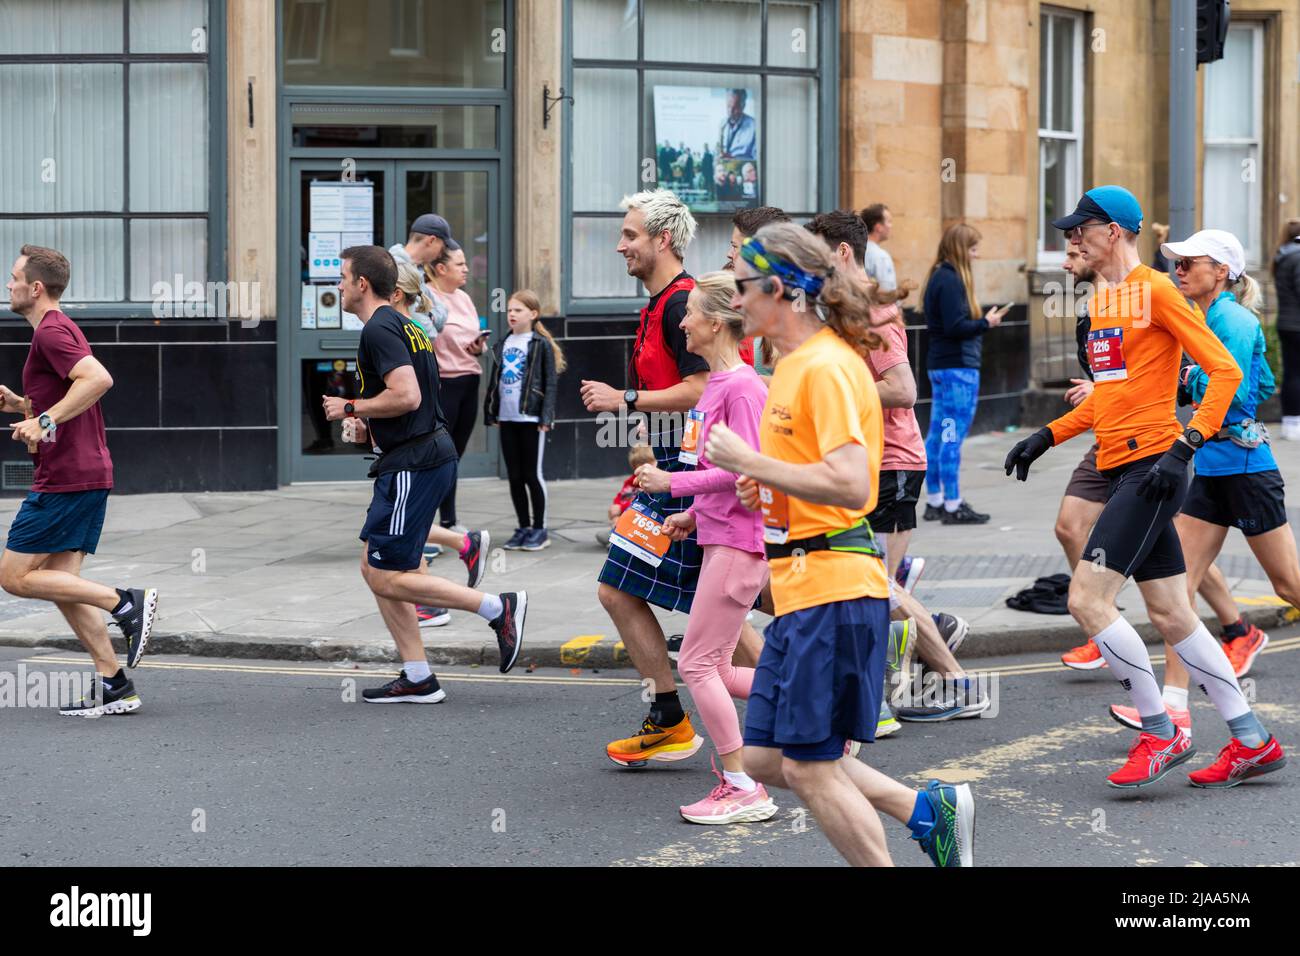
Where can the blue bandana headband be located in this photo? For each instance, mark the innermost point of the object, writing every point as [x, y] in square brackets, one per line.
[752, 251]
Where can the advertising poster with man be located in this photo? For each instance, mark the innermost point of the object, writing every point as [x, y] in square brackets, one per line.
[706, 145]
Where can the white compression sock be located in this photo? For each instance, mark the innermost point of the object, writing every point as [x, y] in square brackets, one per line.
[952, 505]
[1212, 672]
[491, 608]
[416, 671]
[740, 779]
[1131, 665]
[1175, 698]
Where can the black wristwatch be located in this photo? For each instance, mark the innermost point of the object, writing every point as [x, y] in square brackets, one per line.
[629, 399]
[1194, 438]
[349, 408]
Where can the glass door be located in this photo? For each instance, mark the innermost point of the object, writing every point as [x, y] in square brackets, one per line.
[465, 194]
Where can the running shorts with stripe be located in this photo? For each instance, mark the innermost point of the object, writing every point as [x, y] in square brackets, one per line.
[401, 514]
[1135, 537]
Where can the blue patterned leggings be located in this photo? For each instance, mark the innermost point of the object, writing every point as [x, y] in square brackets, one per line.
[954, 393]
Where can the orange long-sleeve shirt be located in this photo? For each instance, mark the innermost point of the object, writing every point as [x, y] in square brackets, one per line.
[1138, 332]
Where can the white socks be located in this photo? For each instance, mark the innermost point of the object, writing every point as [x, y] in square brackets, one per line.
[416, 671]
[740, 779]
[491, 607]
[952, 505]
[1131, 665]
[934, 501]
[1175, 698]
[1211, 671]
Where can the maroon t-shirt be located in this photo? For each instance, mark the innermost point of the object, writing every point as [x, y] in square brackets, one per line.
[76, 459]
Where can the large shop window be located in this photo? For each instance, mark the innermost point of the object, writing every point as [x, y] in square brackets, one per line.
[719, 100]
[1232, 125]
[1060, 125]
[104, 106]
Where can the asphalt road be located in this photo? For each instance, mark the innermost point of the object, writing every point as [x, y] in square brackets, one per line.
[265, 763]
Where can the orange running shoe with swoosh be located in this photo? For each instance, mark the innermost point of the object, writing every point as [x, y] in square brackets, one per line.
[653, 742]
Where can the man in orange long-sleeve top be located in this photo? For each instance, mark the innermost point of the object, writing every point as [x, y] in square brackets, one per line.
[1140, 326]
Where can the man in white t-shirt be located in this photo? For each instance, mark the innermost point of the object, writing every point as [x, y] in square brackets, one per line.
[879, 264]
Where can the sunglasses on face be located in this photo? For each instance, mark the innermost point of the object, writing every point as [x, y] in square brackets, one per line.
[1185, 265]
[740, 283]
[1077, 232]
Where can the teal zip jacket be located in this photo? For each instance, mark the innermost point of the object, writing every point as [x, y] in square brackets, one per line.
[1238, 329]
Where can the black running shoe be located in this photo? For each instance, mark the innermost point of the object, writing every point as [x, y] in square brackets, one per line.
[136, 622]
[509, 626]
[480, 544]
[932, 513]
[432, 616]
[405, 691]
[123, 700]
[964, 514]
[952, 628]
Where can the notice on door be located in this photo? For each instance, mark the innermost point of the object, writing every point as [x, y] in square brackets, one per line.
[342, 207]
[323, 255]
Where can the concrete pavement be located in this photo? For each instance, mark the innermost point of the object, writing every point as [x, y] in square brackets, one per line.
[275, 574]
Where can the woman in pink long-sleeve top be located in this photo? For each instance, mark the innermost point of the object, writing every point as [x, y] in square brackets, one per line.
[734, 568]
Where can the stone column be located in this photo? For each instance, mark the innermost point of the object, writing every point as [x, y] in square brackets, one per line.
[537, 161]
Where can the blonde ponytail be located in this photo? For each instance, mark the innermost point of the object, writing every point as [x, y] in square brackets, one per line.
[1248, 293]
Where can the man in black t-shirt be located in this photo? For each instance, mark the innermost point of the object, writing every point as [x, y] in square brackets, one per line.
[398, 413]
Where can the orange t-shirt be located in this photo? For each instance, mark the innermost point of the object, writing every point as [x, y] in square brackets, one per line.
[821, 398]
[1138, 333]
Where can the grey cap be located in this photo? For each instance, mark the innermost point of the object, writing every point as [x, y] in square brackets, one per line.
[431, 224]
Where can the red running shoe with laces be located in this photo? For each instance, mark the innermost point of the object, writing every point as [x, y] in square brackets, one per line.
[1150, 758]
[1243, 650]
[1237, 763]
[1085, 657]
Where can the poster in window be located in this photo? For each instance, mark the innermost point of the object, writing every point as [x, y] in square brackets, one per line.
[706, 146]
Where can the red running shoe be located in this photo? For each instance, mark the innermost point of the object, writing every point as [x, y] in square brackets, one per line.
[1129, 717]
[1243, 650]
[1085, 657]
[1237, 762]
[1150, 758]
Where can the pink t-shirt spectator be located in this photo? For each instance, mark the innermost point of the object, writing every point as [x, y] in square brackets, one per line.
[904, 446]
[457, 336]
[77, 458]
[735, 398]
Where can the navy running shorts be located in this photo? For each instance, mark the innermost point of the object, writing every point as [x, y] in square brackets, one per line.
[401, 514]
[1254, 503]
[49, 522]
[820, 679]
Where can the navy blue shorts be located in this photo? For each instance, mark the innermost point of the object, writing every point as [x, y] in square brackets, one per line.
[53, 521]
[401, 514]
[820, 679]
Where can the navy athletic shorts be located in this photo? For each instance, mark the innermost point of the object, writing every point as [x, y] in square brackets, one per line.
[53, 521]
[401, 514]
[1255, 503]
[820, 679]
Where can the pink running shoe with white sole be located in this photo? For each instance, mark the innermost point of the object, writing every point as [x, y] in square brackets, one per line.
[1129, 717]
[727, 803]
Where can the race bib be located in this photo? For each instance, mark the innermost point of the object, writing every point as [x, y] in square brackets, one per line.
[640, 533]
[1106, 355]
[775, 506]
[689, 454]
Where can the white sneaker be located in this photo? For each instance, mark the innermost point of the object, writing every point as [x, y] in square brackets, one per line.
[1291, 428]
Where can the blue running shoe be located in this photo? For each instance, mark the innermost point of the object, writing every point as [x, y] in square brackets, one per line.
[951, 841]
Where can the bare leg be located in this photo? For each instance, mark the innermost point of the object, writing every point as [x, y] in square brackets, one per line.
[1214, 588]
[1073, 525]
[86, 621]
[642, 636]
[847, 818]
[766, 765]
[1276, 552]
[446, 538]
[896, 543]
[401, 621]
[29, 576]
[930, 645]
[749, 648]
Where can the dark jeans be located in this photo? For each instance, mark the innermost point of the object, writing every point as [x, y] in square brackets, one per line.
[458, 397]
[1290, 372]
[522, 446]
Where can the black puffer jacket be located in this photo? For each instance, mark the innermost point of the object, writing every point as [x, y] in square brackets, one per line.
[539, 385]
[1286, 275]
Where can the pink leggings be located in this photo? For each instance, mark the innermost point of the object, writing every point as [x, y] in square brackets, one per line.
[730, 580]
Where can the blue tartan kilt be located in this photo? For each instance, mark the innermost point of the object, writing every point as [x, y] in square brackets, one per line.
[670, 586]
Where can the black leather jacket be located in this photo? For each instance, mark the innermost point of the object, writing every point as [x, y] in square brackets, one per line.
[539, 385]
[1286, 276]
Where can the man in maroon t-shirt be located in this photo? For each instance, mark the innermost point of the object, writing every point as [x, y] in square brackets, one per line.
[60, 521]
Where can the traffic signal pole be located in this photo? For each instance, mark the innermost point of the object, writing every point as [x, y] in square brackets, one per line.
[1182, 119]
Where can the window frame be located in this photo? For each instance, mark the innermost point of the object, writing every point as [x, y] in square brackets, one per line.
[1047, 15]
[216, 213]
[826, 73]
[1254, 243]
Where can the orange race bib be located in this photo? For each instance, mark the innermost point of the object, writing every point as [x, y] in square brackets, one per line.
[689, 454]
[776, 514]
[640, 533]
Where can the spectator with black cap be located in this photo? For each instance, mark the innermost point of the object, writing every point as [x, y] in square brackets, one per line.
[428, 238]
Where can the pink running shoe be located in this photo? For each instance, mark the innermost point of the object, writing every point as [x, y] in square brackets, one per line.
[1128, 716]
[727, 803]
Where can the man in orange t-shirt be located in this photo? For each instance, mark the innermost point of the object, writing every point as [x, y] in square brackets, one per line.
[1139, 327]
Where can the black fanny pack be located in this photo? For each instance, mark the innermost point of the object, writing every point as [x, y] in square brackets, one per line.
[409, 443]
[857, 539]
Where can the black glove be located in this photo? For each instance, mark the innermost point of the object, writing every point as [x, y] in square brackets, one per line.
[1029, 451]
[1167, 474]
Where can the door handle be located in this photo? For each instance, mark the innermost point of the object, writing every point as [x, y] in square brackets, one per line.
[338, 345]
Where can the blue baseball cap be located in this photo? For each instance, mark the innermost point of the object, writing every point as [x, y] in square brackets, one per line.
[1105, 204]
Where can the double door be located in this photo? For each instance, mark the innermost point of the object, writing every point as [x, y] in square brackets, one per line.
[356, 202]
